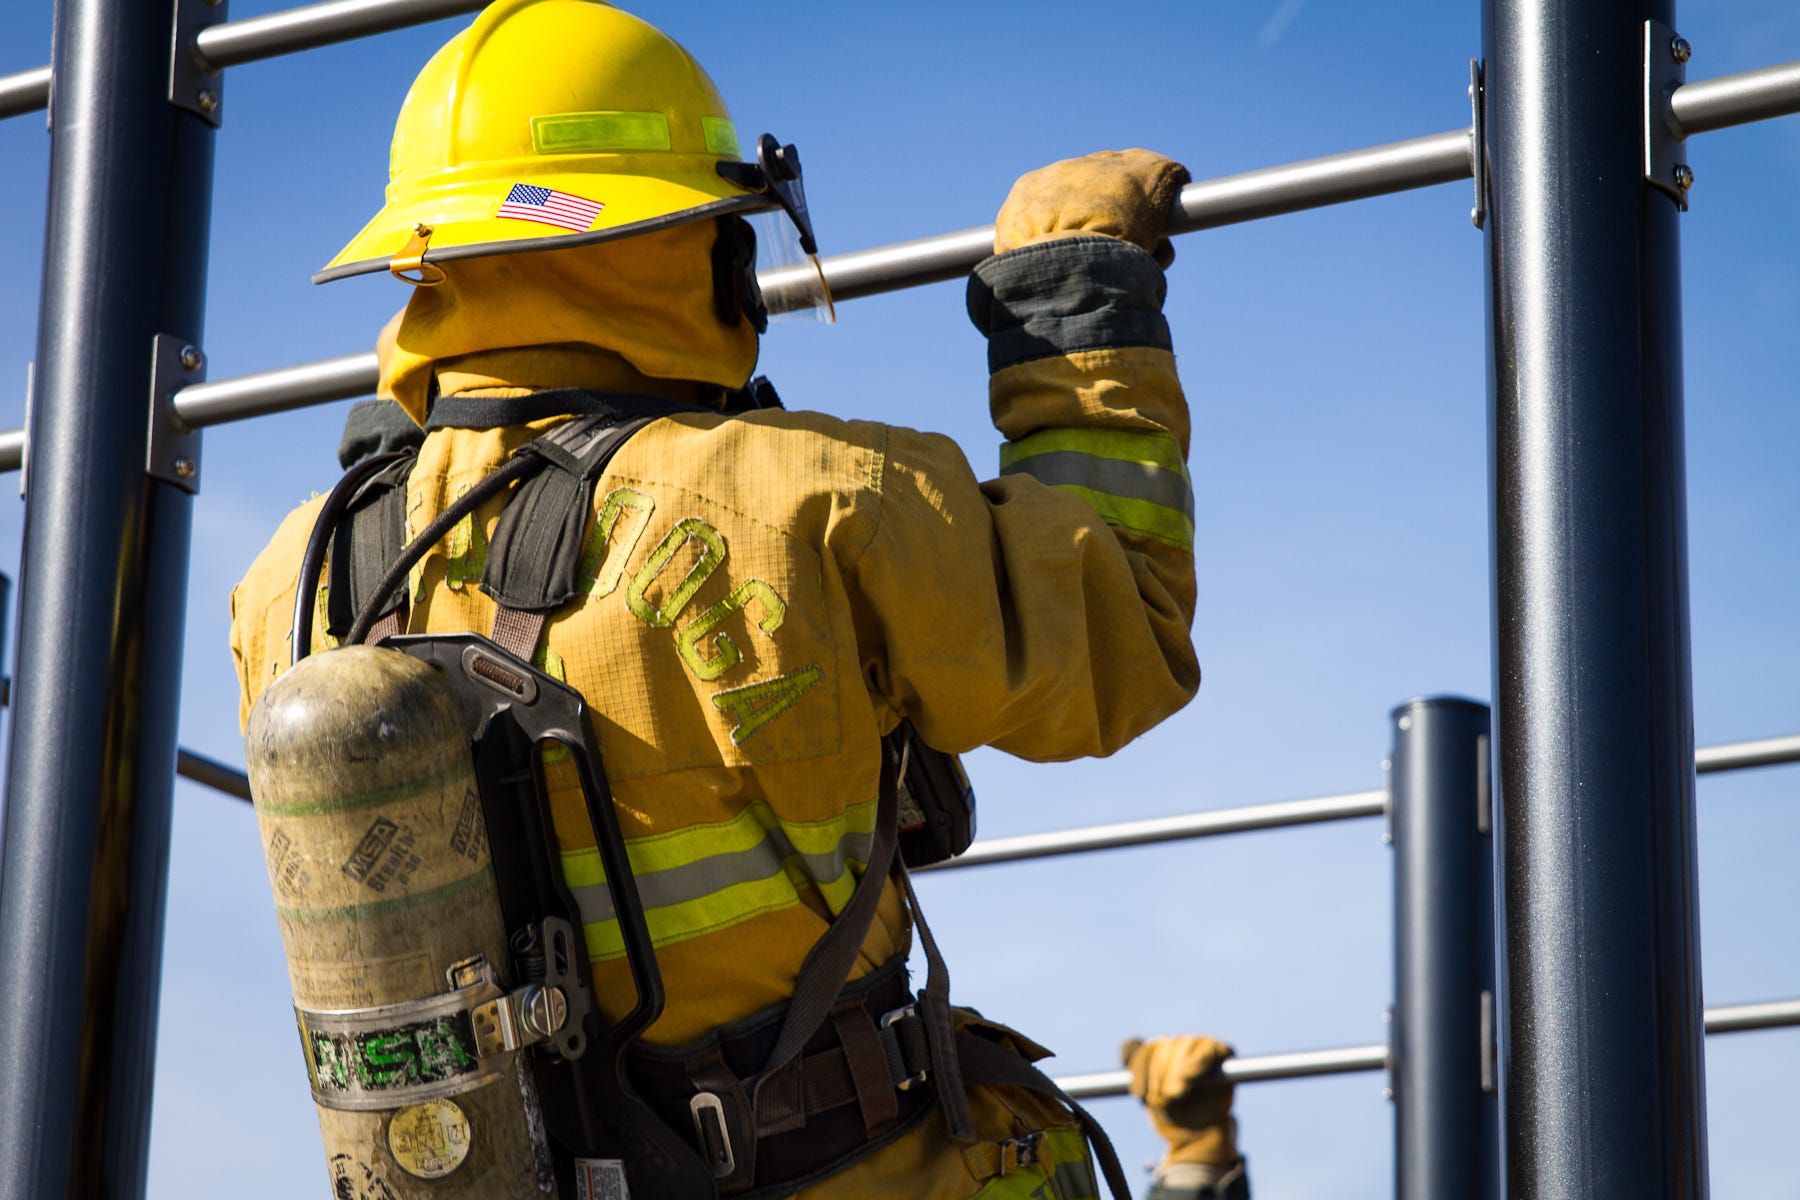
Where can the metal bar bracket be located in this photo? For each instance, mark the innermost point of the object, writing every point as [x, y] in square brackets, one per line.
[1490, 1045]
[1478, 142]
[1666, 54]
[173, 453]
[195, 84]
[25, 432]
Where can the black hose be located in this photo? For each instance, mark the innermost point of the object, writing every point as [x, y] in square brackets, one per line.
[313, 561]
[517, 468]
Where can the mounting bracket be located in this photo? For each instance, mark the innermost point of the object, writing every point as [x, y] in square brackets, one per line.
[1666, 54]
[173, 453]
[195, 84]
[1478, 142]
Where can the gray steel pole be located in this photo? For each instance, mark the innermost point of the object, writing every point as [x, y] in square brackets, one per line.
[102, 590]
[1604, 1073]
[1447, 1110]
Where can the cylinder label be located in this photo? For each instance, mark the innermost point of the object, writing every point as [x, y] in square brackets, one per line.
[429, 1140]
[360, 1066]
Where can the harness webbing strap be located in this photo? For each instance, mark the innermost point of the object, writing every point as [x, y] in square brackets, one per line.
[517, 632]
[940, 1024]
[827, 965]
[490, 412]
[389, 625]
[870, 1075]
[514, 469]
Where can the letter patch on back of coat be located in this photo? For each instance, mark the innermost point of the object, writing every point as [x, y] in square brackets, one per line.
[746, 626]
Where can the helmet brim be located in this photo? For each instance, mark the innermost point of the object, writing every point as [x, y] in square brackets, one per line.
[464, 217]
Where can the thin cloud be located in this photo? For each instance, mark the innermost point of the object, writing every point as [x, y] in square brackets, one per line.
[1278, 22]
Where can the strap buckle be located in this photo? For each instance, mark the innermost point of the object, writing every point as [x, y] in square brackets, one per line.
[713, 1133]
[1019, 1152]
[892, 1017]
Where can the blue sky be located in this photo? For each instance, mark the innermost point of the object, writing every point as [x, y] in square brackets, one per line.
[1336, 366]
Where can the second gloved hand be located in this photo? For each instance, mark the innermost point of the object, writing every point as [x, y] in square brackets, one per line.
[1119, 193]
[1177, 1079]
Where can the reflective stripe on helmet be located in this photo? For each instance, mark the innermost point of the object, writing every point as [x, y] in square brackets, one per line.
[1134, 480]
[706, 877]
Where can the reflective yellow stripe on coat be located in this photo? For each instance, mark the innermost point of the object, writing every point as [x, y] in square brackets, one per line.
[1137, 481]
[706, 877]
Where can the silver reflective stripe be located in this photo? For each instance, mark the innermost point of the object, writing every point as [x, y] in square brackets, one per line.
[1114, 476]
[703, 877]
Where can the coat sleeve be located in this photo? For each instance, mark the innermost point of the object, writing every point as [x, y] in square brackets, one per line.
[1046, 612]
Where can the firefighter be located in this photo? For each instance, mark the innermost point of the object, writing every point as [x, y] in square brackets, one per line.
[1189, 1106]
[763, 595]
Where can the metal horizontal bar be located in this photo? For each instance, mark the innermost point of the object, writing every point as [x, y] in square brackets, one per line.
[1205, 204]
[1744, 1018]
[255, 395]
[1170, 829]
[24, 91]
[1242, 1069]
[1737, 1018]
[1208, 203]
[208, 400]
[212, 773]
[1730, 756]
[1735, 756]
[350, 375]
[233, 42]
[1709, 104]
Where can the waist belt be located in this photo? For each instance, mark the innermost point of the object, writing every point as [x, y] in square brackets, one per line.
[863, 1079]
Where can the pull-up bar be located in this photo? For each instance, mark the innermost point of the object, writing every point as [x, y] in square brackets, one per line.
[1205, 204]
[1731, 756]
[1304, 1064]
[232, 43]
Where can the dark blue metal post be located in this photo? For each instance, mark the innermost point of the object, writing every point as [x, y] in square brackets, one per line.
[1447, 1111]
[102, 589]
[1604, 1090]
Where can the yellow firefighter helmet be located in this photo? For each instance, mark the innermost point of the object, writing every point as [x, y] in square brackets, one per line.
[555, 123]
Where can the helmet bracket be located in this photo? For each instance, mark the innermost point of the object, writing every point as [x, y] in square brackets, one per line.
[776, 173]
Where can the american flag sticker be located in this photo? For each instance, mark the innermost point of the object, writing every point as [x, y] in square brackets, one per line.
[547, 206]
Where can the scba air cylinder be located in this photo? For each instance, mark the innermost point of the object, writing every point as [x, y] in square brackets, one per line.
[378, 857]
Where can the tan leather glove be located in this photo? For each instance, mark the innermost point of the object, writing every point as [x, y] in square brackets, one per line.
[1120, 193]
[1175, 1077]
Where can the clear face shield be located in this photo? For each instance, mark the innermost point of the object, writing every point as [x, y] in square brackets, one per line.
[793, 284]
[788, 273]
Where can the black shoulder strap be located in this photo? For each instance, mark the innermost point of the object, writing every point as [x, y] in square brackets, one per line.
[540, 548]
[534, 557]
[370, 535]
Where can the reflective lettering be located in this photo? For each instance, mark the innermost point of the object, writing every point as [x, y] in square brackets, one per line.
[712, 554]
[617, 502]
[756, 704]
[726, 654]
